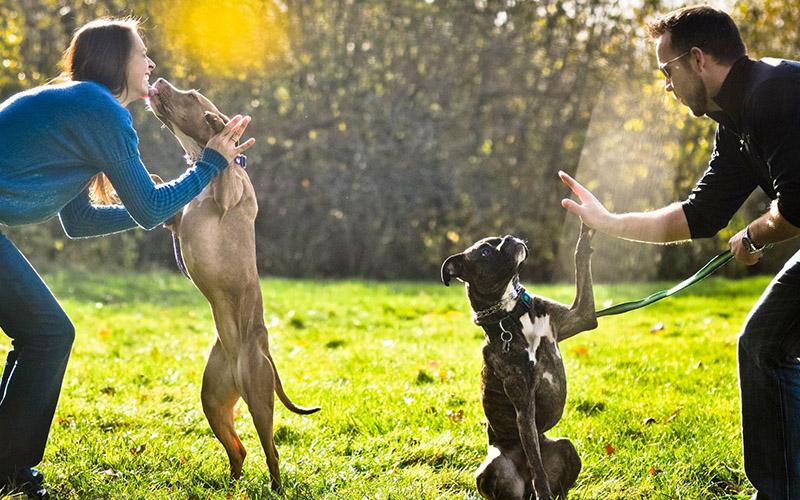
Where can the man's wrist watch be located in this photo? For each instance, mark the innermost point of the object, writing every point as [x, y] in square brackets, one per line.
[748, 244]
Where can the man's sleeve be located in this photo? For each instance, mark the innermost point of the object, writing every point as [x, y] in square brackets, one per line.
[722, 190]
[775, 112]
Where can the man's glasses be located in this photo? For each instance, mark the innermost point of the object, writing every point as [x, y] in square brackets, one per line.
[664, 67]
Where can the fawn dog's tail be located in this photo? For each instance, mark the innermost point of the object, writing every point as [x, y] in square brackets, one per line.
[285, 399]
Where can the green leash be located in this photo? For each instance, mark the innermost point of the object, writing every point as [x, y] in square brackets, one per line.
[709, 268]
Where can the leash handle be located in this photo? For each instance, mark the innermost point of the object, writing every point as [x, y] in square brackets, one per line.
[705, 271]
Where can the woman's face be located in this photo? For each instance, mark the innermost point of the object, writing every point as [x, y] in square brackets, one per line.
[137, 72]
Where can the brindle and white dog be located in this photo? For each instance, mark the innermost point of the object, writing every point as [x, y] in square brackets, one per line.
[523, 383]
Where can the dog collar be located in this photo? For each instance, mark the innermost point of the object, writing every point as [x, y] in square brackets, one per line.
[479, 316]
[495, 326]
[240, 160]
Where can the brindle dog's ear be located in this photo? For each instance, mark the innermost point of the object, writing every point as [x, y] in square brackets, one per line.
[215, 121]
[452, 268]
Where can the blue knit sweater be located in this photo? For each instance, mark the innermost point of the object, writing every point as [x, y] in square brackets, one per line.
[55, 138]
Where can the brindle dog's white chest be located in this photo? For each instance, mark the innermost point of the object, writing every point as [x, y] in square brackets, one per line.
[537, 331]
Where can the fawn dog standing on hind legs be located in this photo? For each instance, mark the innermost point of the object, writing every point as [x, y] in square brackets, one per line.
[523, 383]
[217, 236]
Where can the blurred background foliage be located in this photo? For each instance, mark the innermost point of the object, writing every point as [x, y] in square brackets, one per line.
[393, 133]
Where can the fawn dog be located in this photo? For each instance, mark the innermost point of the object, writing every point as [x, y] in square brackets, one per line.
[216, 231]
[523, 383]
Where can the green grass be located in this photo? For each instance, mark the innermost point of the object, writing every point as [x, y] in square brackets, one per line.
[395, 367]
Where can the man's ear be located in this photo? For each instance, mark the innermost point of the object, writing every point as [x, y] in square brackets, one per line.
[452, 268]
[215, 121]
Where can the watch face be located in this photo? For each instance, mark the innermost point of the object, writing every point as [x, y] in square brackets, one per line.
[747, 245]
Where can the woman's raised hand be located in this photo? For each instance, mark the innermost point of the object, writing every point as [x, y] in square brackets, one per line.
[225, 141]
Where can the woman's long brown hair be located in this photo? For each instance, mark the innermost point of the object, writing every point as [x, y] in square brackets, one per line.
[99, 52]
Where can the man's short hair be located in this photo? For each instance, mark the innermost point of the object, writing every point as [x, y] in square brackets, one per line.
[701, 26]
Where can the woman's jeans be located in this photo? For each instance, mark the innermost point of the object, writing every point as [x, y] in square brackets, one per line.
[769, 385]
[42, 336]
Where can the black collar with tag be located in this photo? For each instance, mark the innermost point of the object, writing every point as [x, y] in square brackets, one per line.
[502, 323]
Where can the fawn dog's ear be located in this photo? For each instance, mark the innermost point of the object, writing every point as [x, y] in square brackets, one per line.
[452, 268]
[228, 193]
[215, 121]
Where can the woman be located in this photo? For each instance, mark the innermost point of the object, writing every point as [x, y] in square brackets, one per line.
[61, 145]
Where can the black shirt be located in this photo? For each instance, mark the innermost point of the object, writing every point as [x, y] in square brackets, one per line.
[757, 143]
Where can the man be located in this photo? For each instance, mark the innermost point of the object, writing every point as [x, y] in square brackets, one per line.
[757, 144]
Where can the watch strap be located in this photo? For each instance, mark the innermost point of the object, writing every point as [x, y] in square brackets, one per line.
[748, 244]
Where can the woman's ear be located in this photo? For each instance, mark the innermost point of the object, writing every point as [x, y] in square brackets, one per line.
[452, 268]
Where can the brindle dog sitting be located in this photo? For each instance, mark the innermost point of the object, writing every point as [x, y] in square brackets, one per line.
[523, 384]
[217, 236]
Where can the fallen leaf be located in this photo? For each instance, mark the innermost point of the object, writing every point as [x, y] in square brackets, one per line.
[138, 450]
[65, 422]
[110, 474]
[609, 449]
[104, 333]
[672, 417]
[455, 416]
[108, 390]
[654, 472]
[581, 350]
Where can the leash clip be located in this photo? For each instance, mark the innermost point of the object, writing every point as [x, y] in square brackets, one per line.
[240, 160]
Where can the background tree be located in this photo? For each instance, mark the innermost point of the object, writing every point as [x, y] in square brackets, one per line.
[392, 133]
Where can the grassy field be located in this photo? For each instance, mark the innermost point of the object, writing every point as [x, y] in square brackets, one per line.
[652, 398]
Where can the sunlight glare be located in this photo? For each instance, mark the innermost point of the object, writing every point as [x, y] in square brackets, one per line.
[626, 162]
[227, 36]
